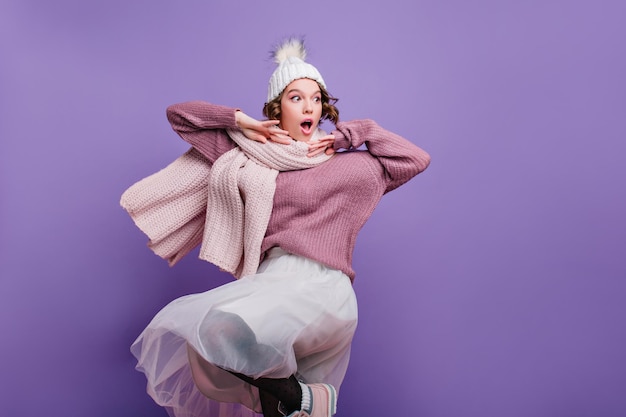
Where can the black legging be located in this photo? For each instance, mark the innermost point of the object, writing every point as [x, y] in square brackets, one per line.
[285, 390]
[234, 334]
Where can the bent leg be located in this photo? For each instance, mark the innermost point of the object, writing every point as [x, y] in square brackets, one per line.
[230, 342]
[286, 390]
[269, 404]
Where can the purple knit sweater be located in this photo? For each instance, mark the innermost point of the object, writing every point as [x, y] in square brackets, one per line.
[317, 212]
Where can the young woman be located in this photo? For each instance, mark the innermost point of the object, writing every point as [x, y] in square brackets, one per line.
[278, 203]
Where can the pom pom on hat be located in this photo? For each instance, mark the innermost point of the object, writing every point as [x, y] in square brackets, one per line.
[290, 56]
[292, 47]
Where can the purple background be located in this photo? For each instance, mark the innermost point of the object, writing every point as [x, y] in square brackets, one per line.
[491, 285]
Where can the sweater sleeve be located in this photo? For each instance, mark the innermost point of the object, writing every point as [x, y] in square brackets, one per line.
[203, 125]
[401, 159]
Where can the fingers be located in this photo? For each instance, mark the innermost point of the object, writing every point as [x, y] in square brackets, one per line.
[317, 145]
[327, 138]
[275, 130]
[270, 123]
[259, 138]
[327, 151]
[275, 133]
[267, 130]
[324, 144]
[280, 138]
[260, 131]
[272, 126]
[321, 143]
[314, 153]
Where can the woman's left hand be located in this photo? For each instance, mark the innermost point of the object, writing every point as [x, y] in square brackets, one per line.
[323, 144]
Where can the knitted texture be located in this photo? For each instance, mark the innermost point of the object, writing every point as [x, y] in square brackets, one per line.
[291, 69]
[290, 57]
[234, 197]
[318, 212]
[170, 205]
[241, 192]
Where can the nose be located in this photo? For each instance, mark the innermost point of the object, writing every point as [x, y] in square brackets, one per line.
[308, 107]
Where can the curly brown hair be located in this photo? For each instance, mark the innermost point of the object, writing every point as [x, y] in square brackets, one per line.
[271, 110]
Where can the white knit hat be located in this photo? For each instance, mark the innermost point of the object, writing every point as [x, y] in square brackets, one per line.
[290, 57]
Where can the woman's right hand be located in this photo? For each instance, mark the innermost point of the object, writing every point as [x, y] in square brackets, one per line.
[261, 131]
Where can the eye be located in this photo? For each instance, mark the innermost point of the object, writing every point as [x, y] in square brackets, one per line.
[317, 99]
[295, 98]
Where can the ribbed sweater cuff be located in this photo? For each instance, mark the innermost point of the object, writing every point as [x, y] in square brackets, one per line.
[341, 142]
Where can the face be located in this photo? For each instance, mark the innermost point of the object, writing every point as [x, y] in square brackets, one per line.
[301, 108]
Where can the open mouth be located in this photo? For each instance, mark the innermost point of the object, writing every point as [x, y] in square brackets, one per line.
[306, 126]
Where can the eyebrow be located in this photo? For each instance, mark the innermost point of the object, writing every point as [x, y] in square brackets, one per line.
[296, 90]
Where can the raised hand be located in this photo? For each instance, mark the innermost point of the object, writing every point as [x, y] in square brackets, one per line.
[261, 131]
[323, 144]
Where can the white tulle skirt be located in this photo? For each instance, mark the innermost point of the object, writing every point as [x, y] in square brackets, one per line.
[294, 316]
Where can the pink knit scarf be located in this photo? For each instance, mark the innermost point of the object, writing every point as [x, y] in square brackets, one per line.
[225, 207]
